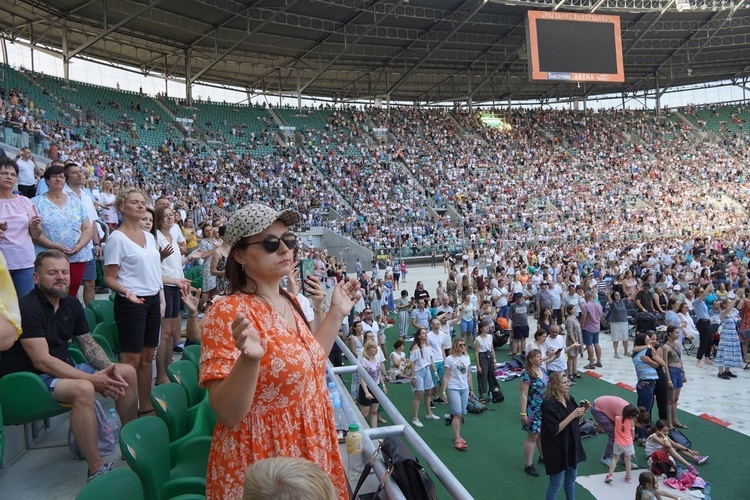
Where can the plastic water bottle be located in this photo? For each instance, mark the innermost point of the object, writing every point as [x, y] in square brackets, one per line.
[114, 424]
[707, 491]
[338, 412]
[354, 452]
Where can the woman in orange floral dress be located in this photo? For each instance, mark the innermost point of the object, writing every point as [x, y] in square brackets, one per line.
[263, 367]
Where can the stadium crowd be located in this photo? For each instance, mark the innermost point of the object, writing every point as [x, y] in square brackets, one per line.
[559, 209]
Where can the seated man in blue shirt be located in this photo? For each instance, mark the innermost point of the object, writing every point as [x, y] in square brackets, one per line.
[49, 319]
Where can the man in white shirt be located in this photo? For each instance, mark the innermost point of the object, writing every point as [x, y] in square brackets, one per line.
[445, 306]
[555, 291]
[500, 298]
[554, 350]
[27, 171]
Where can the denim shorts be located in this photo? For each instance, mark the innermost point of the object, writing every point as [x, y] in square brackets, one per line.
[51, 381]
[89, 272]
[590, 338]
[467, 326]
[457, 399]
[675, 375]
[423, 380]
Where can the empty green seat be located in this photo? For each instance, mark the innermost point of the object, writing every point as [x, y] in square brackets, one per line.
[90, 318]
[109, 332]
[120, 484]
[192, 353]
[170, 404]
[144, 443]
[185, 373]
[24, 398]
[104, 310]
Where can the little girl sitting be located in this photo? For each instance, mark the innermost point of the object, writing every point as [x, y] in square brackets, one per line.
[648, 488]
[659, 441]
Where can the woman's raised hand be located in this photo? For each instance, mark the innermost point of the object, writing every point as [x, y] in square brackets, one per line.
[344, 297]
[247, 339]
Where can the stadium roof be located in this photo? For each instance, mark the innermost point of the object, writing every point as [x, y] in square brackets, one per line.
[410, 50]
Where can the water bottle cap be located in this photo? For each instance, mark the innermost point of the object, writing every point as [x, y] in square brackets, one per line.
[353, 427]
[331, 385]
[111, 410]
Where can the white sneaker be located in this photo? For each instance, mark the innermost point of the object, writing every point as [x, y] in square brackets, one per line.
[417, 423]
[432, 416]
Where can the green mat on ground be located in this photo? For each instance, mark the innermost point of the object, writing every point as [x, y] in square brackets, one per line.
[492, 466]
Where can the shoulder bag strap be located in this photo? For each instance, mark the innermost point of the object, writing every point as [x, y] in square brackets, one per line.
[366, 472]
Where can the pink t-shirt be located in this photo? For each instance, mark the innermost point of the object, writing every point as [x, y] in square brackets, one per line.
[611, 406]
[16, 245]
[623, 434]
[593, 312]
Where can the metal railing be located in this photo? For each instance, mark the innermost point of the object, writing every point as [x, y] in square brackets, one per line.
[400, 427]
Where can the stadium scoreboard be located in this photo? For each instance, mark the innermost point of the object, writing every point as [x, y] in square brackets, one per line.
[574, 47]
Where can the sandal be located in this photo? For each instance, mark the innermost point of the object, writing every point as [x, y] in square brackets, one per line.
[460, 445]
[589, 367]
[680, 426]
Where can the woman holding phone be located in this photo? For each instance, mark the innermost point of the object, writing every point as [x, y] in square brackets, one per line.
[561, 436]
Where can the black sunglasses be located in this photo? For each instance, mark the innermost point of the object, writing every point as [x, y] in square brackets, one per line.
[271, 243]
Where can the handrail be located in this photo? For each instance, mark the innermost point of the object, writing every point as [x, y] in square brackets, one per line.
[400, 427]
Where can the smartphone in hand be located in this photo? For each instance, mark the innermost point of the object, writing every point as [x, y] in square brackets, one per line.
[306, 268]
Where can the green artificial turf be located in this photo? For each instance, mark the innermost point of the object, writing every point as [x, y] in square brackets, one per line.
[492, 466]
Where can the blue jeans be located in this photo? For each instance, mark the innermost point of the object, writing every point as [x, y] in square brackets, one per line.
[556, 480]
[645, 390]
[23, 280]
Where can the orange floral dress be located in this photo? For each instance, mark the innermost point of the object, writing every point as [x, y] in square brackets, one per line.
[291, 414]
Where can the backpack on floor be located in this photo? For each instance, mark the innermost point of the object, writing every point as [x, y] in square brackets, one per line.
[661, 463]
[587, 429]
[497, 395]
[473, 405]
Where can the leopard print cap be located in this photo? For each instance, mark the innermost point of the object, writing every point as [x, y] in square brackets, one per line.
[254, 219]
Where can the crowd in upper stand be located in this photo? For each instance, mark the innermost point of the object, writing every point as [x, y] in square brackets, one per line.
[565, 176]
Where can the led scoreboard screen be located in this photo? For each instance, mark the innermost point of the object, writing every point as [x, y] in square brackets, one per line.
[574, 47]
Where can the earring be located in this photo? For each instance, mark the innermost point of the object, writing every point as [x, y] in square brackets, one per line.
[242, 266]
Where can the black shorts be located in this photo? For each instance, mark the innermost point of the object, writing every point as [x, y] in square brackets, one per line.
[520, 332]
[173, 300]
[363, 401]
[138, 324]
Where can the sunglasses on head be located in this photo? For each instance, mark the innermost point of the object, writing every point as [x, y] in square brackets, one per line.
[271, 243]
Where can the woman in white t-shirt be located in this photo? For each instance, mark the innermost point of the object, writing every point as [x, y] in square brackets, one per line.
[174, 283]
[459, 384]
[132, 270]
[106, 202]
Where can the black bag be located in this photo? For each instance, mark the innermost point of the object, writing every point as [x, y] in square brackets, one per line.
[645, 322]
[587, 429]
[678, 437]
[405, 469]
[518, 362]
[409, 474]
[497, 395]
[500, 338]
[473, 405]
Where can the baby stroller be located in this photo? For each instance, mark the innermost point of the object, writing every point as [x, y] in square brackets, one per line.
[501, 335]
[645, 322]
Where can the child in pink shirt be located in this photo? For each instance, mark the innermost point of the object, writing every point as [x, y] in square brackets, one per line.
[624, 433]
